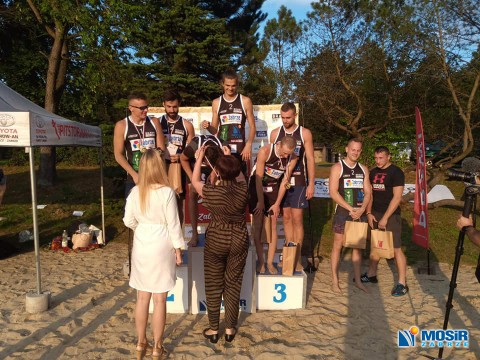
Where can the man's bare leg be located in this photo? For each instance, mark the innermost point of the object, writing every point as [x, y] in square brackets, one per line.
[257, 236]
[193, 211]
[272, 246]
[335, 260]
[298, 234]
[357, 265]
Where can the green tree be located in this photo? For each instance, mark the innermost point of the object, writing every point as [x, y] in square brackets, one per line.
[281, 37]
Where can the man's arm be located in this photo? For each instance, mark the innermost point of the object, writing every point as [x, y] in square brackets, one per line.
[308, 143]
[185, 162]
[119, 150]
[394, 203]
[190, 130]
[333, 184]
[471, 232]
[259, 170]
[282, 187]
[367, 192]
[247, 150]
[160, 139]
[212, 126]
[273, 135]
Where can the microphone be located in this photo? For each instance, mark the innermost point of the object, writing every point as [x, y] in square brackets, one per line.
[471, 165]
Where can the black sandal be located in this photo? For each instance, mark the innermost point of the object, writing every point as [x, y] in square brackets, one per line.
[230, 337]
[212, 337]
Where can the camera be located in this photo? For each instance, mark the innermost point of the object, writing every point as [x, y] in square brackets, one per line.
[458, 175]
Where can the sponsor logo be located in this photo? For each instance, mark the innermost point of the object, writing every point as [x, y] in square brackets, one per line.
[261, 134]
[242, 304]
[353, 183]
[230, 119]
[39, 122]
[6, 120]
[431, 338]
[273, 173]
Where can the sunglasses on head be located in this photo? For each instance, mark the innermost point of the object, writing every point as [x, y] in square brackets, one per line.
[142, 108]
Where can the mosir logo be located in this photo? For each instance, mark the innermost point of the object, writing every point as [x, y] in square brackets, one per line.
[6, 120]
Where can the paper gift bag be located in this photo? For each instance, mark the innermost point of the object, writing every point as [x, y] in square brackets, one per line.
[382, 244]
[289, 254]
[355, 234]
[82, 240]
[175, 177]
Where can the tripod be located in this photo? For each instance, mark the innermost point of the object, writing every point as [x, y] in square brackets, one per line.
[471, 193]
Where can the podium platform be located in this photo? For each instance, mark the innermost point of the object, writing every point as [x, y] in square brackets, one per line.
[178, 298]
[259, 291]
[196, 274]
[281, 292]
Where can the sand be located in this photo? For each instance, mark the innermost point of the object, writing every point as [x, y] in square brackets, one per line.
[91, 315]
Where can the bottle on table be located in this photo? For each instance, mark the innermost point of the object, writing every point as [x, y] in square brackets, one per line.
[64, 239]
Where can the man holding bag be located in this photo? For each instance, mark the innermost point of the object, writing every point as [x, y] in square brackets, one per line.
[387, 182]
[349, 187]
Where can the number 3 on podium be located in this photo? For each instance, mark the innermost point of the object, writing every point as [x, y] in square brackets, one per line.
[281, 294]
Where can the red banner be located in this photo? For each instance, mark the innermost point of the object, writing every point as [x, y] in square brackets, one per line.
[420, 203]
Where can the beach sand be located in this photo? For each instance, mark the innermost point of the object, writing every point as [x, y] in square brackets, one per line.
[92, 315]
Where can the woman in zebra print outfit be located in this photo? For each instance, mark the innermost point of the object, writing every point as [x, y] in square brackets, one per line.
[226, 245]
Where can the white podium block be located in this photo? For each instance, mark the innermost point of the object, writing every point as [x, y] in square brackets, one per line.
[279, 292]
[198, 297]
[177, 298]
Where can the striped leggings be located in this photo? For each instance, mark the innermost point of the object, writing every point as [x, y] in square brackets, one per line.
[226, 251]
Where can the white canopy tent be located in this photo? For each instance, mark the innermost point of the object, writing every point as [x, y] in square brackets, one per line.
[25, 124]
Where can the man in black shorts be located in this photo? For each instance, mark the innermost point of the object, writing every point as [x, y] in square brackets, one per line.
[383, 212]
[266, 188]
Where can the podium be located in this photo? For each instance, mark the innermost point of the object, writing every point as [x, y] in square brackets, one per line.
[178, 298]
[281, 292]
[196, 274]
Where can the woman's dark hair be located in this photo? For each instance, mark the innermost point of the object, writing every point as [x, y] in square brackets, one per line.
[212, 153]
[228, 167]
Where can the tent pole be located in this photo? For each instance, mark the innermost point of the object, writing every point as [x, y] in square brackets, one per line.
[34, 214]
[101, 195]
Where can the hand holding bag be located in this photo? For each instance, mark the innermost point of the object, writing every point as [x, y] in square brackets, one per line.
[355, 234]
[175, 177]
[382, 244]
[289, 254]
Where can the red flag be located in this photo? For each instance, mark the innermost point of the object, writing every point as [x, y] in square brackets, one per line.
[420, 203]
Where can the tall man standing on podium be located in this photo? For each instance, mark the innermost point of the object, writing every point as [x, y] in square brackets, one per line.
[230, 113]
[350, 188]
[296, 198]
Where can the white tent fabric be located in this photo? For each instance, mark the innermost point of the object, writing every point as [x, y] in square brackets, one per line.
[25, 124]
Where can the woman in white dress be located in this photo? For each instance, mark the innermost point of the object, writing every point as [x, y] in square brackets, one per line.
[152, 213]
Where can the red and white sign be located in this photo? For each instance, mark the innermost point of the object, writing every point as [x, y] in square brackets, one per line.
[420, 203]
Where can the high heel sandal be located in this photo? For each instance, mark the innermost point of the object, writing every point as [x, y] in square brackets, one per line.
[159, 353]
[212, 337]
[143, 349]
[230, 337]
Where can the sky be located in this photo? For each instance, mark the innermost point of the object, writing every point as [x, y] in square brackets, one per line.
[299, 9]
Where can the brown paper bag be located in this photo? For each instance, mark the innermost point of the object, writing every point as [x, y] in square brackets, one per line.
[355, 234]
[82, 240]
[382, 244]
[289, 254]
[175, 177]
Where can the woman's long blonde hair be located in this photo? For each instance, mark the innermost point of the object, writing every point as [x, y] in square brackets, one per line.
[151, 173]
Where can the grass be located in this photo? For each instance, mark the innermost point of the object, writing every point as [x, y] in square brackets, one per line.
[79, 189]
